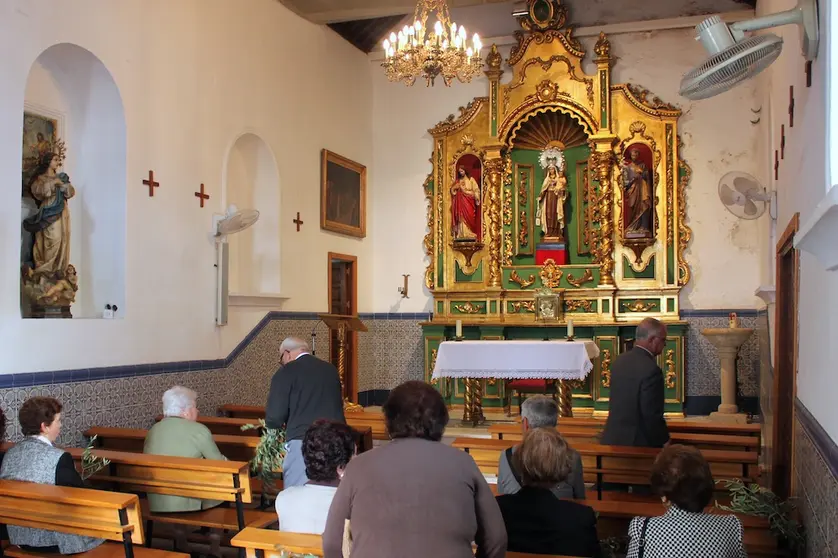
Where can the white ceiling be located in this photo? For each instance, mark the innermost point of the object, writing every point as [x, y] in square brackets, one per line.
[493, 18]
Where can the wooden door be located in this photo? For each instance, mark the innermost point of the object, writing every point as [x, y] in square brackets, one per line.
[785, 361]
[343, 299]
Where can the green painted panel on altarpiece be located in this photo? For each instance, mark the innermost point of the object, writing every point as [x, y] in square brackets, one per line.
[572, 157]
[640, 305]
[467, 308]
[670, 304]
[461, 277]
[670, 265]
[528, 274]
[629, 273]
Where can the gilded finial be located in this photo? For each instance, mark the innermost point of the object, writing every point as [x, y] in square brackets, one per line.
[493, 59]
[603, 46]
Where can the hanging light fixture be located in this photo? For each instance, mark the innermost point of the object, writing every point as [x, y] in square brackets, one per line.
[415, 52]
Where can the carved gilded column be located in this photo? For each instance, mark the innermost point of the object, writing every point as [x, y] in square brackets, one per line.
[494, 73]
[494, 173]
[602, 164]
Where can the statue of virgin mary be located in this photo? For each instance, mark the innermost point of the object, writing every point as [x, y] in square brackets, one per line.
[550, 215]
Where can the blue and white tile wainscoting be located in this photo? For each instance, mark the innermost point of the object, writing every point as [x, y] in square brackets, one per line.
[815, 484]
[389, 354]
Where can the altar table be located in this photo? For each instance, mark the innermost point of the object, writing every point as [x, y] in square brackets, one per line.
[508, 360]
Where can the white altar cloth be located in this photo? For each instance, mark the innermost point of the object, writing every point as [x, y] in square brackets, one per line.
[530, 359]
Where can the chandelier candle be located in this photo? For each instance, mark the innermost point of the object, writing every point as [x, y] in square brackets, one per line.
[411, 53]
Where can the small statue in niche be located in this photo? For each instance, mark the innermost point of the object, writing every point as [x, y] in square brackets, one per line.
[465, 200]
[550, 214]
[637, 192]
[49, 281]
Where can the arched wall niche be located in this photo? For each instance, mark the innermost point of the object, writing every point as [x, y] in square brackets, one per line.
[71, 86]
[252, 182]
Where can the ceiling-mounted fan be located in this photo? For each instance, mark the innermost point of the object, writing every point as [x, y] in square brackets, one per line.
[735, 58]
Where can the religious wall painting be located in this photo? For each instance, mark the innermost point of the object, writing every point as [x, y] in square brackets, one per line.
[39, 134]
[638, 187]
[466, 206]
[343, 195]
[48, 280]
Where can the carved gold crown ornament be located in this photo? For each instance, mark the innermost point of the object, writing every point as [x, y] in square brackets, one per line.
[416, 51]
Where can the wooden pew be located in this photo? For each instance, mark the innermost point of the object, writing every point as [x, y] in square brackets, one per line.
[616, 464]
[204, 479]
[262, 543]
[111, 516]
[613, 521]
[234, 448]
[357, 420]
[593, 425]
[575, 435]
[225, 426]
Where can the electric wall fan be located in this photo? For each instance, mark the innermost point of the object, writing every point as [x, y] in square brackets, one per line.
[232, 222]
[743, 195]
[735, 58]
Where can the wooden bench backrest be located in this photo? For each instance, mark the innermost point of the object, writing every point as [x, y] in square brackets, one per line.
[242, 411]
[674, 426]
[582, 435]
[189, 477]
[358, 420]
[77, 511]
[273, 543]
[236, 448]
[174, 476]
[631, 464]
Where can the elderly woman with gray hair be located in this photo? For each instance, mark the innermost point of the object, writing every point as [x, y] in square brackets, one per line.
[178, 435]
[541, 411]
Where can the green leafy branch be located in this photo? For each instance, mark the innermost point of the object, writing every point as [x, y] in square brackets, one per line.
[92, 464]
[755, 500]
[270, 453]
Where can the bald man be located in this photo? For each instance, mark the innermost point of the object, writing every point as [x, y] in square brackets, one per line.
[635, 407]
[303, 390]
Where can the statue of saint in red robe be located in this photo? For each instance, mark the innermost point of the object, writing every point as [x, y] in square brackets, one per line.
[465, 207]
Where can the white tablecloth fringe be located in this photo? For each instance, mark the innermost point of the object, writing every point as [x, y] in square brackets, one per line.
[526, 374]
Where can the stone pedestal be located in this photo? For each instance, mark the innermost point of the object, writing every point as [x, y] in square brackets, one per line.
[727, 342]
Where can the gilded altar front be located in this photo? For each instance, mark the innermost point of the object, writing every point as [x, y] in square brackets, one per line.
[558, 180]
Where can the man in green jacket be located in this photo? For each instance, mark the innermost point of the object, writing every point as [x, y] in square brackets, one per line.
[178, 435]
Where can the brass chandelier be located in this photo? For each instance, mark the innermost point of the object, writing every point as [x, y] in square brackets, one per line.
[414, 52]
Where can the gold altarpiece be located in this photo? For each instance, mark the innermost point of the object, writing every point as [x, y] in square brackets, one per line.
[619, 254]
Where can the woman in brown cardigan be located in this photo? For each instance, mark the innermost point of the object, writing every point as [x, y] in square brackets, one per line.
[415, 497]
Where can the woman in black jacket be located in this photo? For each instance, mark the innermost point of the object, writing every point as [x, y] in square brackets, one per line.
[536, 521]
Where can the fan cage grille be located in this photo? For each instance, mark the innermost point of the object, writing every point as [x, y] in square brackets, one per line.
[721, 72]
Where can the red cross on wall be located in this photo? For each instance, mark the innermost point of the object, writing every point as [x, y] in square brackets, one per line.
[201, 195]
[298, 222]
[151, 183]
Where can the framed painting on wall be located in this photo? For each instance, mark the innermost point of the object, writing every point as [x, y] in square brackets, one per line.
[343, 195]
[40, 134]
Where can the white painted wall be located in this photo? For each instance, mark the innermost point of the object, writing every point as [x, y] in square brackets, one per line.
[718, 137]
[803, 181]
[193, 76]
[252, 182]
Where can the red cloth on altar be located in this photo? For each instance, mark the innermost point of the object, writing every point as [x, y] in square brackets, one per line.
[557, 255]
[528, 384]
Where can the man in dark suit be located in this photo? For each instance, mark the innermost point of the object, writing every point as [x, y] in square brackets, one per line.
[635, 408]
[303, 390]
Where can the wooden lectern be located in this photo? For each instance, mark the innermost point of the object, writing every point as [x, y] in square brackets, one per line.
[342, 325]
